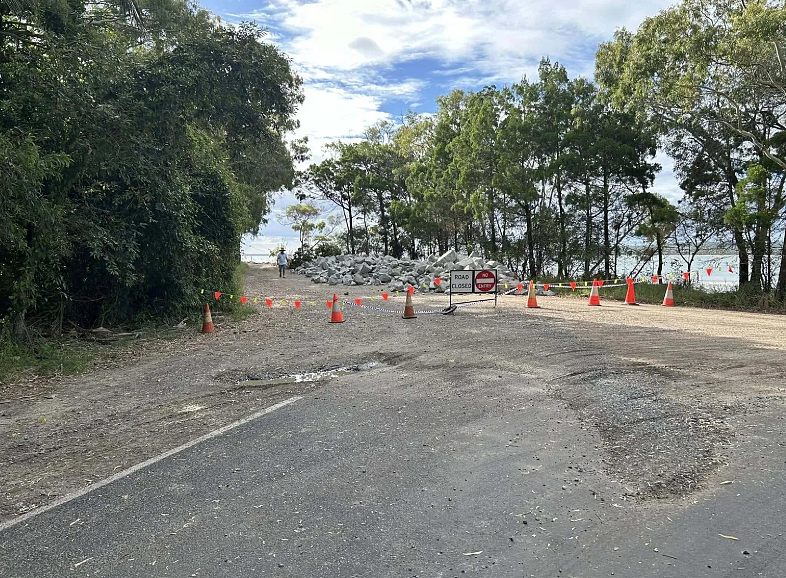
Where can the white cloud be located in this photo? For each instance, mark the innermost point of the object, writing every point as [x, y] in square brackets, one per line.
[332, 113]
[496, 37]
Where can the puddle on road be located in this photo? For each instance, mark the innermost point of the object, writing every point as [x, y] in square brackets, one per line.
[310, 376]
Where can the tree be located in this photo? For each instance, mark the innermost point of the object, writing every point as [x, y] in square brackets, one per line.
[147, 148]
[661, 219]
[302, 217]
[696, 226]
[712, 72]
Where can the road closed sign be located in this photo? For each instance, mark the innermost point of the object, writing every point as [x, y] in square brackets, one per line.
[485, 281]
[462, 281]
[473, 281]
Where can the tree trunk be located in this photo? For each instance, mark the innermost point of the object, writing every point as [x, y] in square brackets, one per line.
[384, 222]
[587, 230]
[659, 243]
[492, 224]
[351, 232]
[562, 262]
[606, 243]
[530, 241]
[780, 289]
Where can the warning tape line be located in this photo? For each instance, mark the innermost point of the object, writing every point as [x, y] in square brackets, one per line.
[273, 303]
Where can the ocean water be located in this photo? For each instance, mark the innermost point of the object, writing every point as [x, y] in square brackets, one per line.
[723, 274]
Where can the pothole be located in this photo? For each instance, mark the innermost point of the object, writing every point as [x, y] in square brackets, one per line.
[309, 376]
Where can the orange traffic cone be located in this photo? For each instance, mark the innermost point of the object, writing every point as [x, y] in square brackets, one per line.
[207, 320]
[532, 300]
[409, 309]
[594, 295]
[336, 316]
[668, 300]
[630, 296]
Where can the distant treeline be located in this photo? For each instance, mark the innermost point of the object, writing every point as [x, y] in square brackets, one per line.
[555, 175]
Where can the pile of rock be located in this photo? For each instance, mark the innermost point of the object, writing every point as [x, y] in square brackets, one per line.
[398, 274]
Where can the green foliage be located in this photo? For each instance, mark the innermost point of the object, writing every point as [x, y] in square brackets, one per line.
[709, 76]
[134, 156]
[535, 175]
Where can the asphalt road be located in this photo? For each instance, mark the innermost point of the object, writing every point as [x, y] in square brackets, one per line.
[501, 459]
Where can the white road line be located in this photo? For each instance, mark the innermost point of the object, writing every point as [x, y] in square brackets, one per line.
[146, 463]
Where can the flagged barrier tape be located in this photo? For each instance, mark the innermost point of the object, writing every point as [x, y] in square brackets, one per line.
[519, 290]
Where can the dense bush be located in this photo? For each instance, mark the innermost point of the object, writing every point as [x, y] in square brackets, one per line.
[138, 142]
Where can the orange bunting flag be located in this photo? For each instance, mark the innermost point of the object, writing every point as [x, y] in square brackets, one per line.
[358, 302]
[269, 303]
[520, 287]
[573, 285]
[730, 269]
[297, 304]
[686, 275]
[654, 278]
[243, 300]
[709, 271]
[217, 295]
[329, 304]
[600, 282]
[438, 281]
[546, 286]
[385, 296]
[411, 290]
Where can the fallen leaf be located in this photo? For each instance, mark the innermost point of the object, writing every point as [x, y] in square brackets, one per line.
[473, 553]
[728, 537]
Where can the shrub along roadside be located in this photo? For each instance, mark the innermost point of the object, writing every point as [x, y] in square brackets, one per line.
[77, 351]
[691, 296]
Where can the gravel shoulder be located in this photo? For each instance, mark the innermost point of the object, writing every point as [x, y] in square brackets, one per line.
[670, 391]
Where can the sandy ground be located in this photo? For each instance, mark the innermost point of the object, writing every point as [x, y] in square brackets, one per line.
[59, 435]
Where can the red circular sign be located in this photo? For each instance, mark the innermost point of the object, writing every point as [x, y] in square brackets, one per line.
[485, 281]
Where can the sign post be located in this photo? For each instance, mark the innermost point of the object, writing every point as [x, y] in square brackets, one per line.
[473, 281]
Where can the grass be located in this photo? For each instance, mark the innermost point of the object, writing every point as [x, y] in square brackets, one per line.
[48, 356]
[44, 356]
[690, 296]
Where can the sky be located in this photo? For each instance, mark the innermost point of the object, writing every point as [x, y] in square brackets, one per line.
[363, 61]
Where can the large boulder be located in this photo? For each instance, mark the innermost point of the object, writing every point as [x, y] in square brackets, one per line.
[359, 279]
[447, 258]
[464, 263]
[334, 280]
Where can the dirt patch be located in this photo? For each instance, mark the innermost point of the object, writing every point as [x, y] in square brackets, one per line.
[655, 446]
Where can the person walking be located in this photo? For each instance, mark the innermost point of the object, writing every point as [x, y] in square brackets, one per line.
[281, 259]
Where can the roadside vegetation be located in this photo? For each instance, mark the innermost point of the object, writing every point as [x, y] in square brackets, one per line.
[691, 296]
